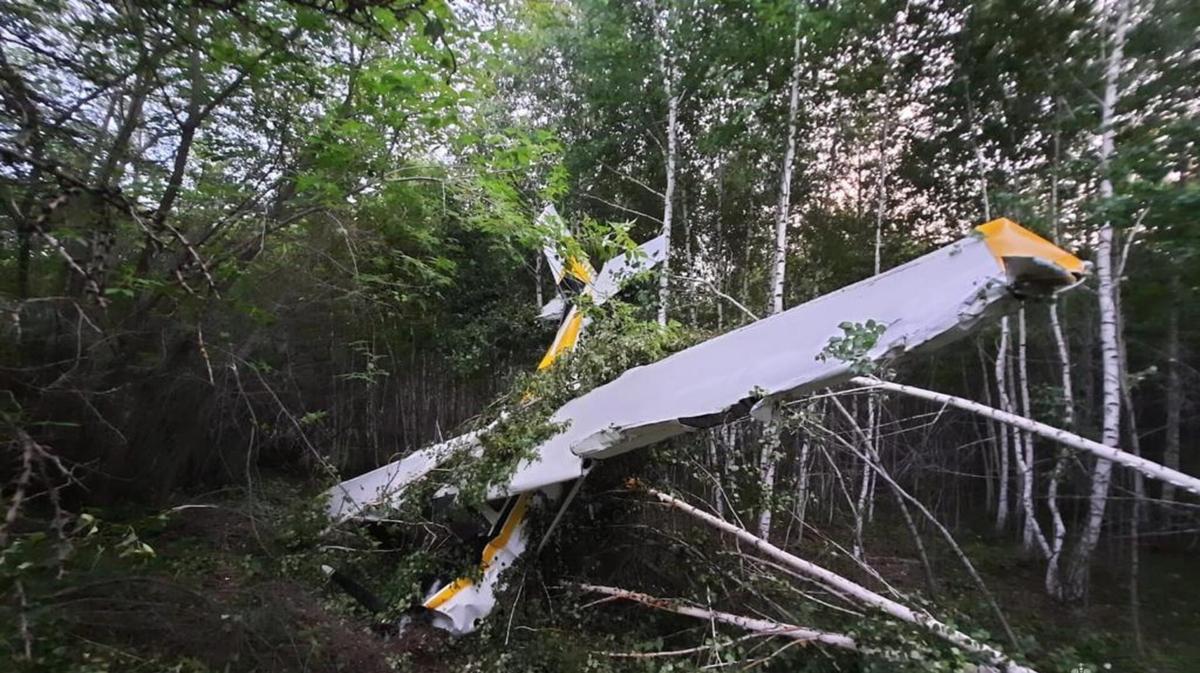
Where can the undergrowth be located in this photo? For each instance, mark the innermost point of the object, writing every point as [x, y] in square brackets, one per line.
[234, 582]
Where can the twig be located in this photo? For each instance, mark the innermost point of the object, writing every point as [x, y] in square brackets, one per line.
[714, 290]
[903, 495]
[620, 207]
[634, 180]
[28, 453]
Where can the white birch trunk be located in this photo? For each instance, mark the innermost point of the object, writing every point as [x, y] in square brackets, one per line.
[1004, 430]
[760, 626]
[860, 505]
[771, 435]
[1109, 453]
[721, 262]
[537, 280]
[1080, 562]
[1058, 538]
[873, 404]
[768, 462]
[667, 64]
[1032, 532]
[802, 487]
[688, 258]
[1059, 534]
[991, 461]
[779, 260]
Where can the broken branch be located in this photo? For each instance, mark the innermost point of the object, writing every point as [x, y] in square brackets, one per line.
[850, 588]
[758, 626]
[1070, 439]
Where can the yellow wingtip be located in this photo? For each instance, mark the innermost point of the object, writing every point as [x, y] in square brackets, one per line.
[1006, 238]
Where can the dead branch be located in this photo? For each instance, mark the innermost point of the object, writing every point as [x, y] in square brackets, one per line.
[901, 497]
[758, 626]
[1070, 439]
[857, 591]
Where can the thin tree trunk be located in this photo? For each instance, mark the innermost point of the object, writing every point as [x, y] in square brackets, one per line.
[779, 261]
[1174, 389]
[1080, 562]
[769, 460]
[721, 265]
[1138, 511]
[771, 433]
[979, 162]
[714, 461]
[1032, 532]
[860, 505]
[1139, 483]
[1064, 364]
[1005, 431]
[759, 626]
[663, 21]
[537, 280]
[802, 479]
[873, 415]
[689, 261]
[991, 462]
[1105, 452]
[1058, 539]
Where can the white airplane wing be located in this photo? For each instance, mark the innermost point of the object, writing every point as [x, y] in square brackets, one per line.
[358, 497]
[927, 301]
[553, 309]
[619, 269]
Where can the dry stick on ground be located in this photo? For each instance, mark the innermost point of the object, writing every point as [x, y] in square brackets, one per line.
[1148, 468]
[759, 626]
[903, 495]
[858, 592]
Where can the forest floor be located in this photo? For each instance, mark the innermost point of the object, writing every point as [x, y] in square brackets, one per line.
[219, 589]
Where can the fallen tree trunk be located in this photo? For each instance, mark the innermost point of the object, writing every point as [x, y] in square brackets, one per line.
[1070, 439]
[759, 626]
[854, 590]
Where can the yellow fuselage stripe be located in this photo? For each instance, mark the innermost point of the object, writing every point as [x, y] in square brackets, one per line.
[564, 340]
[581, 270]
[490, 551]
[568, 334]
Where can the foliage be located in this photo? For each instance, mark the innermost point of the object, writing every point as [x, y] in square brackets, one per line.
[852, 348]
[617, 340]
[244, 241]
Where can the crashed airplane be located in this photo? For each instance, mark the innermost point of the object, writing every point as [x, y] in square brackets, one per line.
[922, 304]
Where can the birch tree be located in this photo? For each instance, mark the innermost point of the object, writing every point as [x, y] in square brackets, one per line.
[772, 444]
[1080, 562]
[783, 210]
[664, 29]
[1058, 536]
